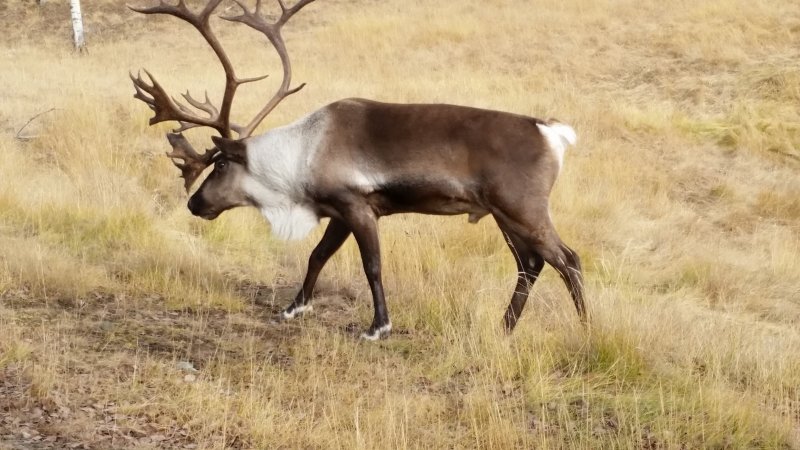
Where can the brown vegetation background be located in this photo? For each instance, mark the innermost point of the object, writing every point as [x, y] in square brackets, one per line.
[127, 323]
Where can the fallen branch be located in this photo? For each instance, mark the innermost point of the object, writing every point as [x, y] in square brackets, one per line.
[18, 134]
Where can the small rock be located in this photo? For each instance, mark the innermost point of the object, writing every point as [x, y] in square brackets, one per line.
[610, 423]
[137, 433]
[186, 367]
[189, 378]
[25, 434]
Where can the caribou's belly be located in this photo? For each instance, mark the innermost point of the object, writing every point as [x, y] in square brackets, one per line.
[426, 196]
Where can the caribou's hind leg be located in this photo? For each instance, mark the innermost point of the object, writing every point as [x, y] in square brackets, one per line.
[538, 237]
[529, 265]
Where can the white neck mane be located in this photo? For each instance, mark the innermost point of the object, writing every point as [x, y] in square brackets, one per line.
[279, 164]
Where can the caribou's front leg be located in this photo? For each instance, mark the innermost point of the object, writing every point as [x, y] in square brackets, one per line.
[364, 224]
[335, 235]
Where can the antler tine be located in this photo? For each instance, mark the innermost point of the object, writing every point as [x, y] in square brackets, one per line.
[140, 94]
[164, 106]
[184, 126]
[205, 106]
[250, 80]
[209, 9]
[181, 106]
[246, 17]
[272, 31]
[193, 162]
[180, 10]
[287, 13]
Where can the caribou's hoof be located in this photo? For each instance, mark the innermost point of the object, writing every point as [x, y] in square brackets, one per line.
[373, 334]
[292, 312]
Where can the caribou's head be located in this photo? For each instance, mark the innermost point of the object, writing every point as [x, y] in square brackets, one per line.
[223, 189]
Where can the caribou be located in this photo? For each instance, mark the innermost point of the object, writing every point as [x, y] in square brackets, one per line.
[355, 160]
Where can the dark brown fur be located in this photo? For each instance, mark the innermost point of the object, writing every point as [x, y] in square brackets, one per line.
[438, 159]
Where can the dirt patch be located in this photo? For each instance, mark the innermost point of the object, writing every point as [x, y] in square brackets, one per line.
[107, 336]
[26, 422]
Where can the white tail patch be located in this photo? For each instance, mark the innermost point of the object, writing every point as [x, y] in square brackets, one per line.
[559, 136]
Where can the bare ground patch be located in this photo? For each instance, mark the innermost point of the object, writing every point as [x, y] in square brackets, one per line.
[109, 336]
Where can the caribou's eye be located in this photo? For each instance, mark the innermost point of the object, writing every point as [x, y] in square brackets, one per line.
[222, 164]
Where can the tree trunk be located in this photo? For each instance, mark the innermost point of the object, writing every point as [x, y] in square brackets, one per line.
[77, 24]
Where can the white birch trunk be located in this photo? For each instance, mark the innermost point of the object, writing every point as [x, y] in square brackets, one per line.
[77, 24]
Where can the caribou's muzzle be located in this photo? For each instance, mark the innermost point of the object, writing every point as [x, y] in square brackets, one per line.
[198, 207]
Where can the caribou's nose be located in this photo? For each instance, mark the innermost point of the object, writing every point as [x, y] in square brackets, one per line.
[194, 205]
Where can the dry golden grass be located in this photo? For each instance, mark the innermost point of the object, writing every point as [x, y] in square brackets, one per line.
[681, 197]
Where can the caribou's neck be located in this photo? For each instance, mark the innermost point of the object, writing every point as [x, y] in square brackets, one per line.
[279, 163]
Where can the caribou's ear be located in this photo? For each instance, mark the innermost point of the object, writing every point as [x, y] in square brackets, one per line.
[232, 149]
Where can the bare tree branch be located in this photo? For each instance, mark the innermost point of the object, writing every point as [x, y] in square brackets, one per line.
[18, 135]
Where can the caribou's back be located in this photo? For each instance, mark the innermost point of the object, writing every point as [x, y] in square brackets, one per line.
[430, 158]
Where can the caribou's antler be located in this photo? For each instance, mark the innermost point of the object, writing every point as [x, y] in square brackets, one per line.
[272, 31]
[193, 163]
[167, 108]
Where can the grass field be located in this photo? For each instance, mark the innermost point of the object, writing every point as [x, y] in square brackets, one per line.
[682, 198]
